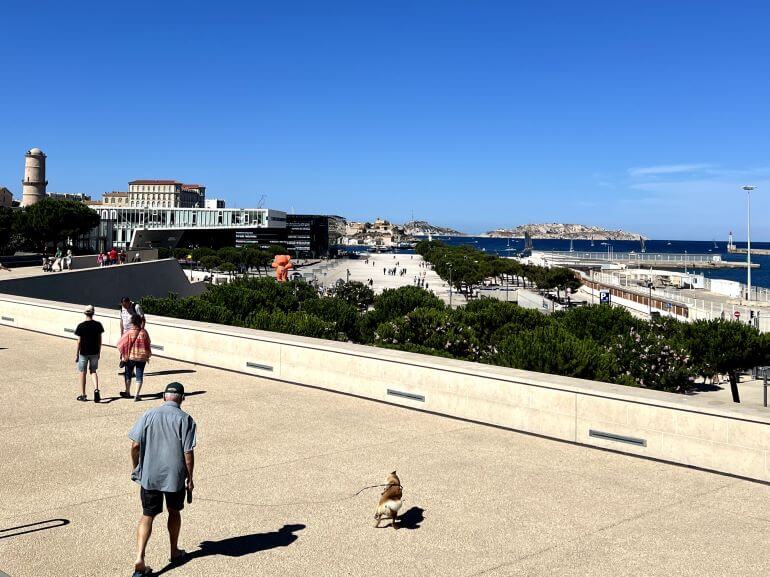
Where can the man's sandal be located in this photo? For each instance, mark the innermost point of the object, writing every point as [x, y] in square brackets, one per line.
[146, 572]
[81, 398]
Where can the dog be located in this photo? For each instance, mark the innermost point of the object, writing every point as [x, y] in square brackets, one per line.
[390, 501]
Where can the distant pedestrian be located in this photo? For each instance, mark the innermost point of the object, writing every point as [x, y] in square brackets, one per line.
[128, 309]
[135, 352]
[122, 257]
[89, 348]
[113, 256]
[68, 259]
[100, 259]
[57, 263]
[163, 458]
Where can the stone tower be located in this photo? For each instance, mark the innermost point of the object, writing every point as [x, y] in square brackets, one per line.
[34, 183]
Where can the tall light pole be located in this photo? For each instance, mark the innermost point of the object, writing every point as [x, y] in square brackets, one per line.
[450, 284]
[748, 188]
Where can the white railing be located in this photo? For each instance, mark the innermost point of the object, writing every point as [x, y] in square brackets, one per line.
[706, 309]
[641, 257]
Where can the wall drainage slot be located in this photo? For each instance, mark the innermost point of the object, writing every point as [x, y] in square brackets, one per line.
[617, 438]
[66, 330]
[259, 366]
[9, 319]
[404, 395]
[157, 347]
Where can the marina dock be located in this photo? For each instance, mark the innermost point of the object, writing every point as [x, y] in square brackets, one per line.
[582, 259]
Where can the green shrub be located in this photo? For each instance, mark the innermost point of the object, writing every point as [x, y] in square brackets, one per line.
[356, 293]
[334, 310]
[600, 323]
[431, 328]
[294, 323]
[550, 349]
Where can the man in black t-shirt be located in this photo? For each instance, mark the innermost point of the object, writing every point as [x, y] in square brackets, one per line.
[89, 334]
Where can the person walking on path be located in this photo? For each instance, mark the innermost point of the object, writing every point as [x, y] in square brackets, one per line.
[58, 259]
[89, 347]
[135, 352]
[163, 440]
[128, 309]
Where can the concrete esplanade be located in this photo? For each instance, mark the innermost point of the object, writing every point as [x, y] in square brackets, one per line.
[278, 464]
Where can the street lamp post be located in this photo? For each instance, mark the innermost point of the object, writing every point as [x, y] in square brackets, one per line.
[450, 285]
[748, 188]
[649, 301]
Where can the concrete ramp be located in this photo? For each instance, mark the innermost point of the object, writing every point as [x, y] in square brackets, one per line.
[103, 287]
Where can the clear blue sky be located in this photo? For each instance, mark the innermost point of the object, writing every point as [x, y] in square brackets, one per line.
[645, 115]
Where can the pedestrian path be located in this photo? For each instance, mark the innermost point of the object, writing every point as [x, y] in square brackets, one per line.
[277, 465]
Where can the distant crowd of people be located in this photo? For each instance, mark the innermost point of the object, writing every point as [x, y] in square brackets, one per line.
[114, 256]
[59, 261]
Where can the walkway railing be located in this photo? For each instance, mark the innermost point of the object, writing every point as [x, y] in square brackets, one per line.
[640, 257]
[706, 309]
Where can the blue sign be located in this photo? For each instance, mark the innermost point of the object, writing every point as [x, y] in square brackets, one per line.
[604, 297]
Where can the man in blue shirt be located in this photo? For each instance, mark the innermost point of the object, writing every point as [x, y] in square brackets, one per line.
[162, 455]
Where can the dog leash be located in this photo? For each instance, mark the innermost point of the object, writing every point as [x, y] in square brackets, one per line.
[374, 486]
[345, 498]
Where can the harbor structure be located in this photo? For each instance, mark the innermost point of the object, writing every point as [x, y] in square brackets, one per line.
[34, 183]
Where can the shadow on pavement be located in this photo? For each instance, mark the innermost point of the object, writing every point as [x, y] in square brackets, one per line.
[145, 397]
[411, 519]
[240, 546]
[158, 396]
[170, 372]
[33, 527]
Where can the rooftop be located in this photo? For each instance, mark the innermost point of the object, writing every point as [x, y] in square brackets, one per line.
[273, 456]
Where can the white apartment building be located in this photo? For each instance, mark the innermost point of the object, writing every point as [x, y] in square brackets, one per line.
[164, 194]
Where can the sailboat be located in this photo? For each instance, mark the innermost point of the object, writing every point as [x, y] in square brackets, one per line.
[592, 240]
[571, 247]
[644, 246]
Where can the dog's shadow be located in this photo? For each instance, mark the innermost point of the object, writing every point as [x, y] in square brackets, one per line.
[240, 546]
[411, 519]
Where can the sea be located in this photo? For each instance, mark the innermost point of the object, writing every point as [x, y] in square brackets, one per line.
[759, 276]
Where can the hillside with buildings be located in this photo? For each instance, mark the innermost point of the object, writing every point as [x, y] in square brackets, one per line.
[563, 231]
[423, 228]
[383, 233]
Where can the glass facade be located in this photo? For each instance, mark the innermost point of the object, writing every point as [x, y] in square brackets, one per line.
[119, 224]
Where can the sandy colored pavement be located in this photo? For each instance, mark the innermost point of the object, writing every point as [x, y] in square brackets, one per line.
[277, 465]
[362, 271]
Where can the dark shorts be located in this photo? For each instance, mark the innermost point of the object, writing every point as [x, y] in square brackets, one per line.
[152, 501]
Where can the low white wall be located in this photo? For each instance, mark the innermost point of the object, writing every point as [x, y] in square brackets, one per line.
[688, 430]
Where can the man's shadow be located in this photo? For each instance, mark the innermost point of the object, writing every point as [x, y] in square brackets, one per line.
[240, 546]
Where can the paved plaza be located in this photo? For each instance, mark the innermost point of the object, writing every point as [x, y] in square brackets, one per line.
[277, 465]
[361, 271]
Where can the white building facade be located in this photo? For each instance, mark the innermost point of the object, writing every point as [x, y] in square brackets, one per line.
[142, 227]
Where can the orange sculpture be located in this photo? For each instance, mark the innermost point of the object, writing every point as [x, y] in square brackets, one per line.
[282, 265]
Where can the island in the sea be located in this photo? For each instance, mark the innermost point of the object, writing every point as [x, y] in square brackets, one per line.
[555, 230]
[423, 228]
